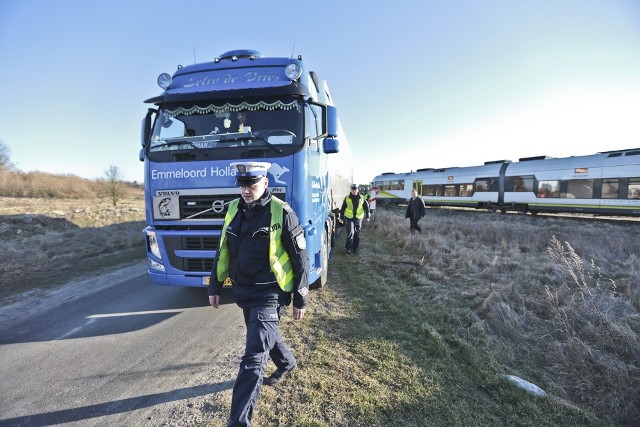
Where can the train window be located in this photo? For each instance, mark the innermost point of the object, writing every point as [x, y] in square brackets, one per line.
[466, 190]
[483, 184]
[548, 189]
[449, 190]
[579, 189]
[519, 183]
[431, 190]
[634, 188]
[394, 185]
[610, 188]
[632, 153]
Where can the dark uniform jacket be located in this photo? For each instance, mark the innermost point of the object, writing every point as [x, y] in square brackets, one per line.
[248, 245]
[415, 208]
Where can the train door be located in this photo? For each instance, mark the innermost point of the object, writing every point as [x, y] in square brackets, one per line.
[417, 185]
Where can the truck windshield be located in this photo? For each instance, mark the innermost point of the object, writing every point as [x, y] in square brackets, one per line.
[274, 124]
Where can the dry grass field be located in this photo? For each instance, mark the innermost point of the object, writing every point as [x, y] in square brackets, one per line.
[47, 241]
[419, 330]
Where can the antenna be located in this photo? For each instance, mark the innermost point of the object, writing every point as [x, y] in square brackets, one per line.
[194, 55]
[293, 49]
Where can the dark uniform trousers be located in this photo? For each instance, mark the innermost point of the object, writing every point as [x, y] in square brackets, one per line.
[262, 318]
[413, 224]
[353, 226]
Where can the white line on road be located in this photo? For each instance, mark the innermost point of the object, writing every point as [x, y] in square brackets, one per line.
[134, 313]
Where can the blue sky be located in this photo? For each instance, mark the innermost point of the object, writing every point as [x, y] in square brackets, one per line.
[417, 83]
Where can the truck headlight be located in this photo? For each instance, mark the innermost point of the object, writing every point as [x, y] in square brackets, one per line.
[156, 265]
[152, 241]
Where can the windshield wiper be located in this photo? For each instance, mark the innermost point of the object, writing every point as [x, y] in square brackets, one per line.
[180, 142]
[267, 143]
[247, 136]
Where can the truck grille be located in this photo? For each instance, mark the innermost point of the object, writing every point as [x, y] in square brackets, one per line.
[194, 206]
[198, 264]
[200, 242]
[203, 263]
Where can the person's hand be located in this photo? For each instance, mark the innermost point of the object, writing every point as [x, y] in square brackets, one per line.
[214, 301]
[298, 313]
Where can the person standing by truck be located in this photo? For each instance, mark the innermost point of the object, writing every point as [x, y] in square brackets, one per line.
[354, 209]
[415, 211]
[263, 253]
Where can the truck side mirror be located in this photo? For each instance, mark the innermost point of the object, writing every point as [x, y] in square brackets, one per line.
[146, 127]
[332, 121]
[330, 146]
[141, 155]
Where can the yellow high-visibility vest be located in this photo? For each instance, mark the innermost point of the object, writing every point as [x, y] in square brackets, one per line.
[278, 257]
[348, 212]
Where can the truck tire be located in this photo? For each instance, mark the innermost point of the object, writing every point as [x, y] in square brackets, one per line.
[324, 256]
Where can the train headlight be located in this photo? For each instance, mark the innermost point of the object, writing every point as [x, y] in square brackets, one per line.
[293, 71]
[164, 80]
[152, 241]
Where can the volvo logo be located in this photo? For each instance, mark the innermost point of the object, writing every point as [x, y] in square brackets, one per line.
[217, 206]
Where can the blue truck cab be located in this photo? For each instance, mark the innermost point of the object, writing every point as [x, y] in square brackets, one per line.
[239, 107]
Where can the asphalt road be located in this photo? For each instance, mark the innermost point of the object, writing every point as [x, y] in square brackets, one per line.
[130, 354]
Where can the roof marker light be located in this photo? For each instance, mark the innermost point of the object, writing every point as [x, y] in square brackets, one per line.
[164, 81]
[293, 71]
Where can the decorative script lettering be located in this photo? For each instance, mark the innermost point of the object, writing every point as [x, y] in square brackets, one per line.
[229, 78]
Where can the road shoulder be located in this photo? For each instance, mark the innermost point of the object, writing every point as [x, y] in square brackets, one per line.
[19, 307]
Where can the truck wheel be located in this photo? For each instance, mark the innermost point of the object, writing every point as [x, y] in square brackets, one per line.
[324, 256]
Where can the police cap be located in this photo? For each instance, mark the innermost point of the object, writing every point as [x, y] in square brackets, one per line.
[248, 173]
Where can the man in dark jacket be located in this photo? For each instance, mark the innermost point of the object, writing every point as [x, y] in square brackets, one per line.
[354, 209]
[263, 255]
[415, 211]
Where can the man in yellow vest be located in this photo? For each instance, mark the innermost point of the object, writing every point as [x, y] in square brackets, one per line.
[263, 254]
[354, 209]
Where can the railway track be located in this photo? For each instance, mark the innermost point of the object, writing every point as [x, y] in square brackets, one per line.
[560, 215]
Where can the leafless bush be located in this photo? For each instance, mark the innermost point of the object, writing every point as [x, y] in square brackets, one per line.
[113, 185]
[5, 157]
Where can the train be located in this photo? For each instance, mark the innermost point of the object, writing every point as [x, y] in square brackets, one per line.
[605, 183]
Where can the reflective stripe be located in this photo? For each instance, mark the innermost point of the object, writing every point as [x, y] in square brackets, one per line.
[222, 270]
[278, 257]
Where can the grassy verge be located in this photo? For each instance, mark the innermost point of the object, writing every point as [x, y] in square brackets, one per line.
[46, 242]
[420, 330]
